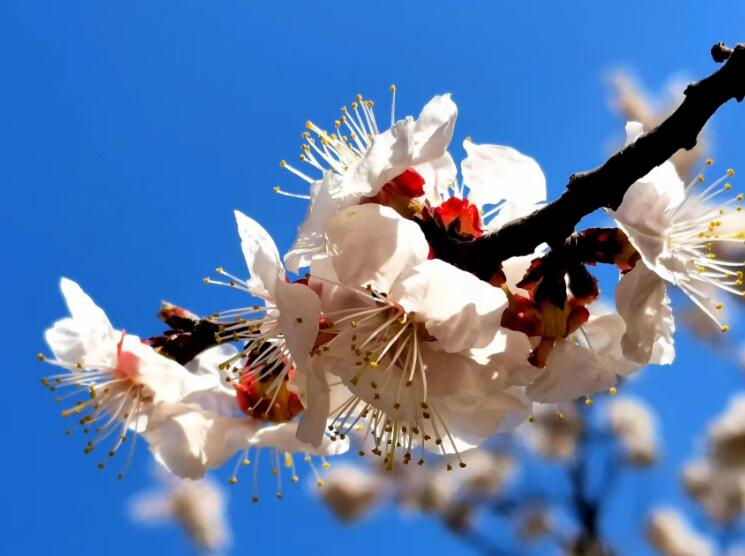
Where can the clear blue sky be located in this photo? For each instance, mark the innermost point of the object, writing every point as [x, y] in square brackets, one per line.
[130, 130]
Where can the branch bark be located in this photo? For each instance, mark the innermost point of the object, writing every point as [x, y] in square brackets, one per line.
[605, 186]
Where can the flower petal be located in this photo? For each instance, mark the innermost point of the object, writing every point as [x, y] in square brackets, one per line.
[87, 337]
[372, 245]
[433, 129]
[494, 173]
[571, 372]
[460, 310]
[406, 143]
[642, 301]
[467, 398]
[311, 238]
[262, 257]
[316, 397]
[299, 312]
[188, 441]
[438, 175]
[283, 437]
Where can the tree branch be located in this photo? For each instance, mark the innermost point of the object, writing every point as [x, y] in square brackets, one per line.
[605, 186]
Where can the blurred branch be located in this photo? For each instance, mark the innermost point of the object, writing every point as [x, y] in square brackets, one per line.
[605, 186]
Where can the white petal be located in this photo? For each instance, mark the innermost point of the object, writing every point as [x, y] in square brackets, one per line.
[389, 155]
[433, 129]
[262, 257]
[494, 173]
[406, 143]
[571, 372]
[468, 398]
[604, 335]
[166, 379]
[371, 245]
[634, 130]
[283, 437]
[188, 441]
[458, 309]
[316, 397]
[311, 238]
[87, 336]
[438, 175]
[299, 312]
[642, 301]
[648, 205]
[644, 217]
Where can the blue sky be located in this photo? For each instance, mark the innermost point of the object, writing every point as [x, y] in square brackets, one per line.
[129, 132]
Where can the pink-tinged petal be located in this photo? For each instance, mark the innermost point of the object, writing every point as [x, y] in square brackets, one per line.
[188, 441]
[165, 379]
[494, 173]
[642, 301]
[461, 311]
[372, 245]
[262, 257]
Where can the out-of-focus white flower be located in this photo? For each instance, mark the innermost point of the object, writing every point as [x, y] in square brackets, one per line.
[359, 165]
[674, 228]
[487, 473]
[536, 523]
[635, 426]
[637, 105]
[123, 380]
[351, 492]
[727, 436]
[402, 346]
[553, 432]
[200, 507]
[669, 533]
[720, 492]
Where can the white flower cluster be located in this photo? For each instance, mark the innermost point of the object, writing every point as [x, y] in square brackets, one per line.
[717, 480]
[382, 337]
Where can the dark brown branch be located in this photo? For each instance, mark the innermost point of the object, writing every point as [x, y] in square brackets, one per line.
[605, 186]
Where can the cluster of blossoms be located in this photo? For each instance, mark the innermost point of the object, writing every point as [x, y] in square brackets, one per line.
[377, 335]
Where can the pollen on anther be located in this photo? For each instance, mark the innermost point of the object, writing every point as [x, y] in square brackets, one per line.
[725, 328]
[613, 390]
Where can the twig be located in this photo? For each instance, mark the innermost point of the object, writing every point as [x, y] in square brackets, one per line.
[605, 186]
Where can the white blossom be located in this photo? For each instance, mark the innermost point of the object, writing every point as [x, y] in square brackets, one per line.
[122, 380]
[674, 228]
[669, 533]
[200, 507]
[634, 425]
